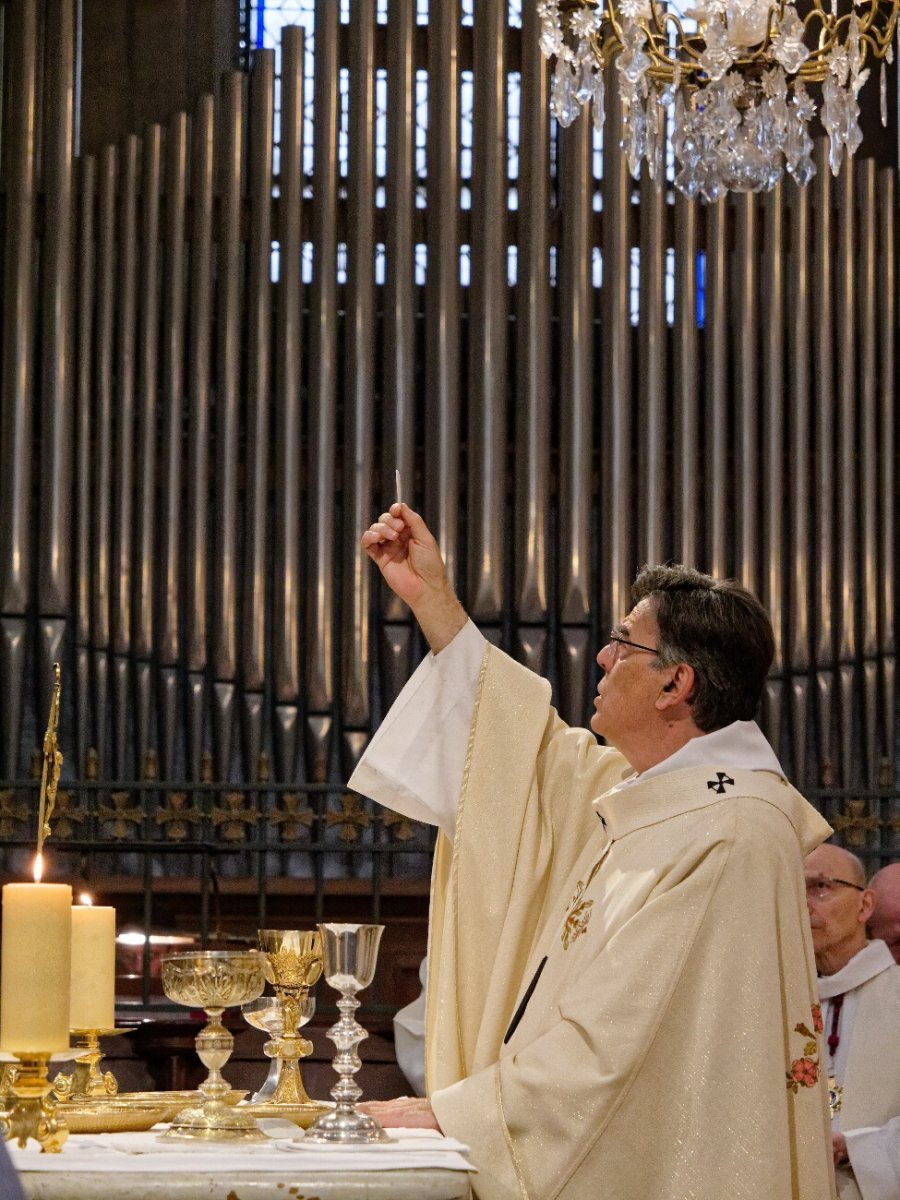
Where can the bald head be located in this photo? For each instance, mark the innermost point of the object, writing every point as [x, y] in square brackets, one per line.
[839, 905]
[885, 920]
[837, 863]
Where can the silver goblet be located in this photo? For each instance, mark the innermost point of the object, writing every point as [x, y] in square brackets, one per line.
[214, 980]
[350, 953]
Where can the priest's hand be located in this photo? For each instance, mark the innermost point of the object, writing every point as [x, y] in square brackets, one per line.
[406, 1112]
[403, 548]
[839, 1149]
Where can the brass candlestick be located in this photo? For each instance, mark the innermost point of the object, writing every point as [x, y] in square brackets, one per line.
[214, 980]
[293, 965]
[87, 1082]
[29, 1109]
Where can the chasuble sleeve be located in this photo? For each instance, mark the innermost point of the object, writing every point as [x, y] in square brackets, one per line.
[661, 1066]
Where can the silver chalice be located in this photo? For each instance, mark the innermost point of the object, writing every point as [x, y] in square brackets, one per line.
[350, 953]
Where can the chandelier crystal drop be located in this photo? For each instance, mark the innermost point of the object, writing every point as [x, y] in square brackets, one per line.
[728, 78]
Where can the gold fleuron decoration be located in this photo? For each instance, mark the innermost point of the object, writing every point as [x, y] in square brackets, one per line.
[52, 764]
[729, 76]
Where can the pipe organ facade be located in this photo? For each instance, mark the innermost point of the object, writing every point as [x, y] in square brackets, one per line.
[222, 335]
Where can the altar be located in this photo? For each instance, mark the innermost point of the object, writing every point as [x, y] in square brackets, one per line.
[420, 1165]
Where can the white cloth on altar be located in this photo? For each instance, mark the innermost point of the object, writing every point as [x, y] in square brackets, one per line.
[435, 708]
[144, 1153]
[869, 1026]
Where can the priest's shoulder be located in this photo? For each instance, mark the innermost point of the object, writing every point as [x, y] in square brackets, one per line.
[578, 749]
[768, 822]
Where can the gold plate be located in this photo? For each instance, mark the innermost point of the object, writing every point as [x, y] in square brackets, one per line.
[112, 1114]
[178, 1100]
[301, 1114]
[130, 1112]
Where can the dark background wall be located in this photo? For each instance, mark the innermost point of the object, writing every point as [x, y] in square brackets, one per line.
[143, 60]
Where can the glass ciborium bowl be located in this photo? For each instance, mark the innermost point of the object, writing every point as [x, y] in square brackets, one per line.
[267, 1014]
[214, 980]
[293, 965]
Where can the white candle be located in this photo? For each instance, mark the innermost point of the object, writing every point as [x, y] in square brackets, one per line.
[35, 967]
[93, 1003]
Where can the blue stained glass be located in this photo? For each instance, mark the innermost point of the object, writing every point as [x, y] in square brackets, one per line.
[261, 25]
[701, 289]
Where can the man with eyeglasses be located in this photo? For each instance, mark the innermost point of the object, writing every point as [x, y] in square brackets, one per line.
[621, 998]
[859, 986]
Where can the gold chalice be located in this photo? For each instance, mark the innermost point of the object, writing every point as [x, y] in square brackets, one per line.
[293, 960]
[214, 980]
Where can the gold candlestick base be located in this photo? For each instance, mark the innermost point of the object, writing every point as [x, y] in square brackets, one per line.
[29, 1109]
[87, 1081]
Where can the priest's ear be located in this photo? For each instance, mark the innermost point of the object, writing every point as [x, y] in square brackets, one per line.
[677, 689]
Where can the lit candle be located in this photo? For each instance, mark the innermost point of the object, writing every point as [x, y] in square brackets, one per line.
[35, 966]
[93, 1003]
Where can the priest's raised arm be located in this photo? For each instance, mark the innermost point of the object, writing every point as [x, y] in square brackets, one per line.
[621, 998]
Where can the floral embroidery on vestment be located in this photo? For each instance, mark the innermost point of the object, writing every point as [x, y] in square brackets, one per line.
[804, 1071]
[577, 917]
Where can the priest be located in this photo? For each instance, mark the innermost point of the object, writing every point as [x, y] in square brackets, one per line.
[859, 985]
[621, 996]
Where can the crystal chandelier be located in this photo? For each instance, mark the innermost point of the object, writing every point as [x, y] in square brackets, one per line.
[727, 78]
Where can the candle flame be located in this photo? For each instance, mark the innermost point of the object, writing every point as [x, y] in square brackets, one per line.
[38, 868]
[86, 898]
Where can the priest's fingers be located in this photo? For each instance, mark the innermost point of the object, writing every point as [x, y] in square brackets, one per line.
[404, 1113]
[385, 529]
[411, 518]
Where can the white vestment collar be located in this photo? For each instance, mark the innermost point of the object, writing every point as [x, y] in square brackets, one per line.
[741, 744]
[862, 967]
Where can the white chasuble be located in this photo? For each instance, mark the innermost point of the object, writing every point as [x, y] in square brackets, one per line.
[622, 1001]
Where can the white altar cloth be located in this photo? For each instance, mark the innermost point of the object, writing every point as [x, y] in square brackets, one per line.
[137, 1153]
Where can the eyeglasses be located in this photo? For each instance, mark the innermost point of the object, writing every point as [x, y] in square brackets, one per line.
[617, 642]
[823, 888]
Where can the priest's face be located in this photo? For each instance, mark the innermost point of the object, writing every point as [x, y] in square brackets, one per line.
[839, 905]
[625, 704]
